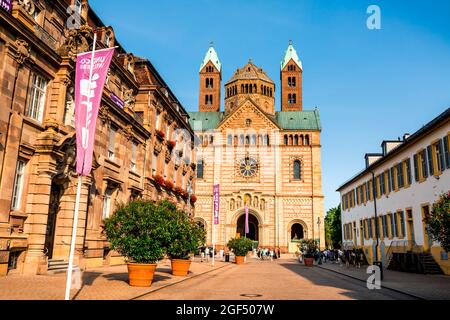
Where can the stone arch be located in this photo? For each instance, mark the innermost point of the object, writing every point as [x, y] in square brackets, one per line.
[300, 222]
[254, 213]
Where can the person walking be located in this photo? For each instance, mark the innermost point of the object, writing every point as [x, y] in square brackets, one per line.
[271, 255]
[279, 253]
[207, 254]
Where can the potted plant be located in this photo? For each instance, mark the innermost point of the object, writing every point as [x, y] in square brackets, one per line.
[169, 185]
[138, 231]
[160, 134]
[159, 180]
[308, 248]
[240, 247]
[185, 237]
[171, 144]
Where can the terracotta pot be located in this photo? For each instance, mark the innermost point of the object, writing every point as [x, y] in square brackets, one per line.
[240, 260]
[309, 262]
[141, 275]
[180, 268]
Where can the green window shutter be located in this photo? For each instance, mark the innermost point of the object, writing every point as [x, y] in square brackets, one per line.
[446, 153]
[408, 171]
[441, 158]
[416, 168]
[402, 223]
[430, 160]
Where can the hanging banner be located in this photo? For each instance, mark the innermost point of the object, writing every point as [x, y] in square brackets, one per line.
[91, 72]
[6, 5]
[247, 229]
[216, 203]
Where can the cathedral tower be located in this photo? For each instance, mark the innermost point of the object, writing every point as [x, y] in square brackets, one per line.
[291, 81]
[210, 82]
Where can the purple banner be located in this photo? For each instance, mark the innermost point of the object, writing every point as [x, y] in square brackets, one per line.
[247, 229]
[89, 85]
[6, 5]
[117, 101]
[216, 203]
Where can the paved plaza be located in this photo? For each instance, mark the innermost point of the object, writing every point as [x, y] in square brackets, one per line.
[283, 279]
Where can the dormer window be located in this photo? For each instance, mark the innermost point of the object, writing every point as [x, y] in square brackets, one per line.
[108, 40]
[78, 6]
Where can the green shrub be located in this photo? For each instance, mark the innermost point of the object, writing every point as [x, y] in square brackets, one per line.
[185, 236]
[240, 246]
[439, 221]
[138, 231]
[308, 248]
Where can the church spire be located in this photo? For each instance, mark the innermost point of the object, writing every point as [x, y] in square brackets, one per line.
[291, 81]
[291, 54]
[211, 55]
[210, 82]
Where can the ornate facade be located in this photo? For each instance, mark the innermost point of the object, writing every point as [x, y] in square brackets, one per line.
[134, 143]
[268, 160]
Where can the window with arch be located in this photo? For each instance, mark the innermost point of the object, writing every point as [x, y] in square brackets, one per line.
[270, 92]
[307, 141]
[297, 232]
[294, 98]
[241, 140]
[289, 82]
[297, 170]
[294, 81]
[242, 88]
[289, 98]
[296, 140]
[286, 140]
[230, 140]
[247, 140]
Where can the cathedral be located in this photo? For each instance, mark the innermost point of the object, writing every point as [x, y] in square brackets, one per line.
[262, 158]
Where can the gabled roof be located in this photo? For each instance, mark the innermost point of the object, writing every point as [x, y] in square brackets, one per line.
[209, 120]
[250, 72]
[299, 120]
[255, 105]
[211, 55]
[291, 54]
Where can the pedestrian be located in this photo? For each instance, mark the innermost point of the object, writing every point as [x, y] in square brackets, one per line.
[207, 254]
[271, 255]
[279, 253]
[347, 258]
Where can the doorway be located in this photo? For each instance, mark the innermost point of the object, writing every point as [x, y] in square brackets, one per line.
[54, 206]
[253, 225]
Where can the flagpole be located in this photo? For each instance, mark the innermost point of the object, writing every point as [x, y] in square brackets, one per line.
[77, 202]
[72, 243]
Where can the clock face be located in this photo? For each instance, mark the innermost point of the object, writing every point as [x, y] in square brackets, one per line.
[248, 167]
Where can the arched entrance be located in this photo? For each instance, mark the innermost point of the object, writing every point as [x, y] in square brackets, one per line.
[297, 231]
[253, 225]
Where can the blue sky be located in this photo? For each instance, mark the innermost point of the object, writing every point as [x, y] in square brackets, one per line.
[369, 85]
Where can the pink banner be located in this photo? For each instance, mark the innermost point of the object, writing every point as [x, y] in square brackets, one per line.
[216, 203]
[88, 96]
[247, 229]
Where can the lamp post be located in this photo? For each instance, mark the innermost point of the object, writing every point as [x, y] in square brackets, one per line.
[377, 232]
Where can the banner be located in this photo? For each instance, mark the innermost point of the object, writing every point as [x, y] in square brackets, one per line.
[88, 96]
[216, 203]
[247, 229]
[6, 5]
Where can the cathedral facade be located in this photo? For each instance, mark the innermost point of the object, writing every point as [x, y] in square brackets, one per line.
[267, 160]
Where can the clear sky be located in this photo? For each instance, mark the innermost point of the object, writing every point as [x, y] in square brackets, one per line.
[369, 85]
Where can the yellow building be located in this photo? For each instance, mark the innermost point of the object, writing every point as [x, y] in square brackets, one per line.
[269, 160]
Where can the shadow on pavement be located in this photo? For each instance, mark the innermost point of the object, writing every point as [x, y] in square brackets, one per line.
[352, 289]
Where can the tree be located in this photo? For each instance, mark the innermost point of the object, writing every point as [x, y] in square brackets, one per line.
[439, 221]
[333, 228]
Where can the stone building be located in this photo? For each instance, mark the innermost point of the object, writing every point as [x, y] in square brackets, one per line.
[134, 148]
[266, 159]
